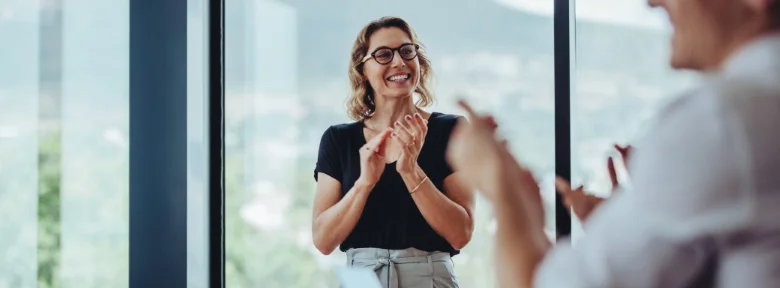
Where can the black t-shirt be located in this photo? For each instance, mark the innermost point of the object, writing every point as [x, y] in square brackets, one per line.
[390, 219]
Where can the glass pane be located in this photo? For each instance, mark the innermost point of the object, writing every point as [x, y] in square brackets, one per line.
[94, 171]
[281, 96]
[197, 145]
[64, 143]
[19, 148]
[622, 78]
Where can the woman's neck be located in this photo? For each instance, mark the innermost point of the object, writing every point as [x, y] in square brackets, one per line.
[389, 110]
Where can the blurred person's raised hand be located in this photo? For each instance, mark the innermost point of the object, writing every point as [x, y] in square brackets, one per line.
[487, 165]
[625, 153]
[491, 122]
[583, 203]
[474, 151]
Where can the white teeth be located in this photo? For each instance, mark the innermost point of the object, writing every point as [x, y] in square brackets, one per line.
[399, 77]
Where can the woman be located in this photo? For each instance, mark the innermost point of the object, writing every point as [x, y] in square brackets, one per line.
[385, 192]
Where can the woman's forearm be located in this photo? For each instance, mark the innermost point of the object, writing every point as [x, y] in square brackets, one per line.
[447, 218]
[333, 226]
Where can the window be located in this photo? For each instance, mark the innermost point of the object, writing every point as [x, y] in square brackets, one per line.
[197, 145]
[281, 96]
[64, 122]
[64, 143]
[622, 77]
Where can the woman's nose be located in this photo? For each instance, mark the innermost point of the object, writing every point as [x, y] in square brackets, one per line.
[398, 61]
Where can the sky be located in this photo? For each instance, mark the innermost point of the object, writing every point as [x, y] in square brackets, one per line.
[622, 12]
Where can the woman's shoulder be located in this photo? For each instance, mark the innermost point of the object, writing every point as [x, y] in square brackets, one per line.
[343, 127]
[441, 125]
[340, 131]
[444, 119]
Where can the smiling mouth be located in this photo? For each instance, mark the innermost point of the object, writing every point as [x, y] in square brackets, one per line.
[399, 78]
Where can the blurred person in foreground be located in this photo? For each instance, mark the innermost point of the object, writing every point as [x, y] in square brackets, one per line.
[704, 207]
[385, 193]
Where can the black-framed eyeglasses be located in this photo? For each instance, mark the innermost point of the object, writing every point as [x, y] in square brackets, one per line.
[384, 55]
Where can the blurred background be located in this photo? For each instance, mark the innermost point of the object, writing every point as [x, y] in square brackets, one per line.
[64, 136]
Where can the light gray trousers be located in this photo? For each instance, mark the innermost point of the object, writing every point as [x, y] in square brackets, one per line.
[407, 268]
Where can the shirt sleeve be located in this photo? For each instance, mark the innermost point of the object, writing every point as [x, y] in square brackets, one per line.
[687, 179]
[448, 129]
[328, 160]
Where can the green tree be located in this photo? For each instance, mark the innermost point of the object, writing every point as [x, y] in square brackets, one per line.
[49, 210]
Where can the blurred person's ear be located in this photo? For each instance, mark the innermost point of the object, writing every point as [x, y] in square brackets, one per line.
[769, 8]
[760, 6]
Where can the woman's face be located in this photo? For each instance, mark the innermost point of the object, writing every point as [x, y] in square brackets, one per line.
[400, 76]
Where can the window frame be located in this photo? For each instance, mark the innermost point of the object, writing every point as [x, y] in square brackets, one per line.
[563, 38]
[216, 131]
[158, 143]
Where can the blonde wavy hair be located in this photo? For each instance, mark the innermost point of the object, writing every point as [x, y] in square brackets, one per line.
[360, 105]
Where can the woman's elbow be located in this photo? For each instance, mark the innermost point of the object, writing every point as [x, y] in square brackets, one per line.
[461, 241]
[324, 249]
[322, 245]
[461, 244]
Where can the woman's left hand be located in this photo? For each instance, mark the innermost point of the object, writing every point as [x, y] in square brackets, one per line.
[410, 133]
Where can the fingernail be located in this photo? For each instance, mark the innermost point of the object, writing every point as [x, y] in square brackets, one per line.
[397, 123]
[417, 115]
[393, 135]
[408, 117]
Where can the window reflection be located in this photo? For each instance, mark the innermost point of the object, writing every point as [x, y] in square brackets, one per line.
[64, 143]
[19, 106]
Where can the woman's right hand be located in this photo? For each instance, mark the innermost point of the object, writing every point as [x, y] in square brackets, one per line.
[372, 162]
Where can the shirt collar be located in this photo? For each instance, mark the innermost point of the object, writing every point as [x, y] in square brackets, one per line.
[760, 55]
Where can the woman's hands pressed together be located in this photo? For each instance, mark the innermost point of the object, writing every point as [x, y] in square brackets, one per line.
[372, 162]
[410, 134]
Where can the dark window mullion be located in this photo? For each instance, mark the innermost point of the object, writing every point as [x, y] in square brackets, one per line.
[562, 50]
[216, 132]
[158, 143]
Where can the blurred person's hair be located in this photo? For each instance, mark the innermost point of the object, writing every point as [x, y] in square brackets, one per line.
[360, 105]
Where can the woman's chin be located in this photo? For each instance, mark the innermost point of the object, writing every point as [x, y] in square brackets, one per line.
[398, 93]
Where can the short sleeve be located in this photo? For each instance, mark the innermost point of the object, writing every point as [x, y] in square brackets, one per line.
[328, 160]
[449, 127]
